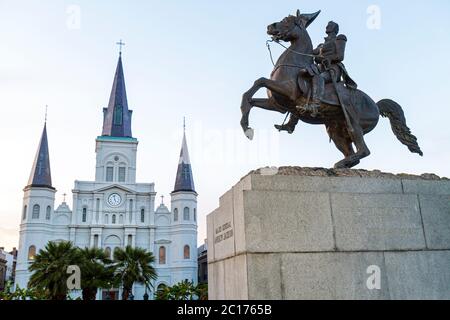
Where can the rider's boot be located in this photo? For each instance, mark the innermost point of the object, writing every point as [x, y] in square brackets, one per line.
[317, 88]
[290, 126]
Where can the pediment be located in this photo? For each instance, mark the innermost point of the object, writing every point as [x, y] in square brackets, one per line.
[114, 186]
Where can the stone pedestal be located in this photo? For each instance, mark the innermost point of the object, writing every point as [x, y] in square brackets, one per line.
[300, 233]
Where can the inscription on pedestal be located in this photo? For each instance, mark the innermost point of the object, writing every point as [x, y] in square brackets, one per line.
[223, 232]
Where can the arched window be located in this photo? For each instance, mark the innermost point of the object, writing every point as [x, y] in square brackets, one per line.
[162, 255]
[48, 212]
[36, 211]
[109, 174]
[113, 219]
[108, 252]
[186, 213]
[31, 252]
[175, 214]
[24, 214]
[122, 171]
[187, 252]
[195, 214]
[106, 219]
[130, 240]
[121, 219]
[142, 215]
[84, 215]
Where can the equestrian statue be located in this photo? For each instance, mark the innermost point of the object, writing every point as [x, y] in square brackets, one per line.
[314, 86]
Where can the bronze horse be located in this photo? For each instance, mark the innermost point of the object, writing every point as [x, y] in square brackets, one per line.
[288, 92]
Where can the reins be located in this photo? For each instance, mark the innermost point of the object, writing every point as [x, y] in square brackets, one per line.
[289, 49]
[286, 65]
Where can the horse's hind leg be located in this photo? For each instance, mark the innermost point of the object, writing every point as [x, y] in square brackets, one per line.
[362, 151]
[343, 142]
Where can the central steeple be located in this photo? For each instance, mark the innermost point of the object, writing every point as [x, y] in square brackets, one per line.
[117, 117]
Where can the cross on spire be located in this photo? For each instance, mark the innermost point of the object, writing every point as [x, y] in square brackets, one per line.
[184, 124]
[120, 44]
[162, 199]
[46, 109]
[64, 195]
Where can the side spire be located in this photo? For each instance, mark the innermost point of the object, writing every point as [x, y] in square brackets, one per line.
[184, 180]
[40, 175]
[117, 117]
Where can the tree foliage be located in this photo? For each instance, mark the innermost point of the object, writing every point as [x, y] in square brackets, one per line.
[184, 290]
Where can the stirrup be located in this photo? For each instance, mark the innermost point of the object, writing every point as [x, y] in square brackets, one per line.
[285, 127]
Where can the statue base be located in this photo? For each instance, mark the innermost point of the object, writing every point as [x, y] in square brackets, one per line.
[306, 233]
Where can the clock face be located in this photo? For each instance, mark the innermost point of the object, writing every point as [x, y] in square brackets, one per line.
[114, 200]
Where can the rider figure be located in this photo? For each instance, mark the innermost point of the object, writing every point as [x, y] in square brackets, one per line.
[329, 57]
[329, 68]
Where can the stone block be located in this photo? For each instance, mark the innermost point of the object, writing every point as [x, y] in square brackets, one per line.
[236, 278]
[287, 221]
[264, 276]
[439, 187]
[436, 220]
[377, 222]
[418, 275]
[335, 275]
[216, 281]
[325, 184]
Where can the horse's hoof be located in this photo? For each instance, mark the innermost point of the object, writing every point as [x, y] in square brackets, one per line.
[346, 164]
[339, 166]
[249, 133]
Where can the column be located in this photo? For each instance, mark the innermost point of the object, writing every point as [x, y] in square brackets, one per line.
[74, 209]
[152, 241]
[133, 208]
[99, 203]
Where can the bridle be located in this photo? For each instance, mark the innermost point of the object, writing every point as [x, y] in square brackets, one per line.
[288, 49]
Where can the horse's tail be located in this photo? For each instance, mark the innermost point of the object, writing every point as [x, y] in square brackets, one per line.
[392, 110]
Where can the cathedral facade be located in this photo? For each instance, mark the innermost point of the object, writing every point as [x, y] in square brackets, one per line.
[114, 210]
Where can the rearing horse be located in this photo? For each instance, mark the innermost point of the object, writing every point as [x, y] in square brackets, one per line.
[288, 91]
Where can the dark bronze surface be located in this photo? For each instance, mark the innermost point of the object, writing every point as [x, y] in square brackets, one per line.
[313, 86]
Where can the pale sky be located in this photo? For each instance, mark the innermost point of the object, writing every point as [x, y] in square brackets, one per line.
[195, 58]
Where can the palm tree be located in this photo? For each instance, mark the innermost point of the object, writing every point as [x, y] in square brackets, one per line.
[50, 269]
[97, 271]
[133, 265]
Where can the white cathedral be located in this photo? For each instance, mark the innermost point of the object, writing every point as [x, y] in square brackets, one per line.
[114, 210]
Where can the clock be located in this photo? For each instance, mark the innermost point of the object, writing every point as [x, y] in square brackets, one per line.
[114, 200]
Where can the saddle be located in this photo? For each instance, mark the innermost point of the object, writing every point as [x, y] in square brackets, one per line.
[330, 96]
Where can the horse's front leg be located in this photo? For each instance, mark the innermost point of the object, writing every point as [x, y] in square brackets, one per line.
[284, 88]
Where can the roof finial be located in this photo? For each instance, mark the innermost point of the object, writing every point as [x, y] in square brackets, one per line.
[64, 194]
[120, 44]
[184, 124]
[162, 199]
[46, 108]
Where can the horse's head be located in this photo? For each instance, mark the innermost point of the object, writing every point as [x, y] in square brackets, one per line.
[291, 27]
